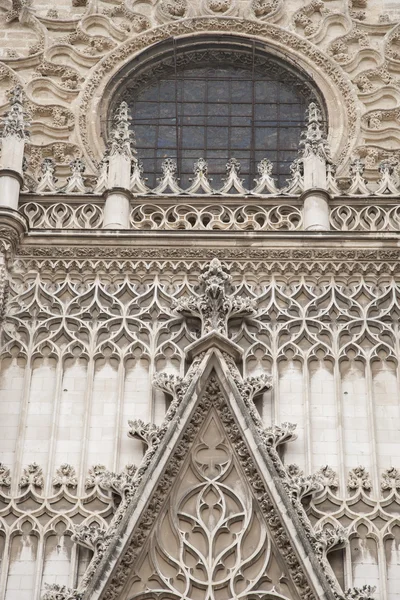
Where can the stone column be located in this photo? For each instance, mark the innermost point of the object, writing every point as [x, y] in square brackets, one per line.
[117, 194]
[315, 158]
[12, 151]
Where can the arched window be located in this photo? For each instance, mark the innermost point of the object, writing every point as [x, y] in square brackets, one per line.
[216, 100]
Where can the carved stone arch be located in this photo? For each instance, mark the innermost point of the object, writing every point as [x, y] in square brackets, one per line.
[334, 85]
[212, 443]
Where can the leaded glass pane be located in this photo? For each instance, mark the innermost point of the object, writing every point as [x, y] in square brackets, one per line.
[218, 106]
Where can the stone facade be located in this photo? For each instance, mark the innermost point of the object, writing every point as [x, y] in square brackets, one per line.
[181, 364]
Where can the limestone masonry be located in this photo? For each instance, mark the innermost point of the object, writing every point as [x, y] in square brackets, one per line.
[200, 300]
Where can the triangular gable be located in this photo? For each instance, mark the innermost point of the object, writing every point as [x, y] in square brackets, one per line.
[151, 543]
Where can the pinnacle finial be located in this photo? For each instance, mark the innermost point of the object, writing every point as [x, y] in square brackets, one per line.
[122, 137]
[314, 138]
[15, 122]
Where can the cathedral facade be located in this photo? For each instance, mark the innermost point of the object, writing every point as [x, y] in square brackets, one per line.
[200, 300]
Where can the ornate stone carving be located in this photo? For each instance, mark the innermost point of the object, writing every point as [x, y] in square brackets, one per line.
[200, 182]
[171, 384]
[366, 592]
[359, 479]
[358, 184]
[97, 475]
[252, 386]
[168, 182]
[300, 485]
[47, 182]
[148, 433]
[390, 480]
[232, 181]
[211, 413]
[121, 136]
[5, 478]
[75, 183]
[295, 185]
[91, 536]
[54, 591]
[263, 8]
[15, 122]
[387, 184]
[214, 307]
[32, 475]
[331, 538]
[65, 477]
[328, 477]
[276, 435]
[265, 184]
[314, 138]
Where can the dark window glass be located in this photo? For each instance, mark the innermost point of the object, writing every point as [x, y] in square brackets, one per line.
[218, 107]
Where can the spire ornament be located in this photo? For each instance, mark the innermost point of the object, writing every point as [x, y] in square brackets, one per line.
[387, 184]
[200, 182]
[122, 138]
[265, 184]
[47, 182]
[358, 185]
[295, 185]
[314, 139]
[75, 183]
[102, 178]
[232, 180]
[216, 304]
[55, 591]
[15, 122]
[168, 182]
[137, 183]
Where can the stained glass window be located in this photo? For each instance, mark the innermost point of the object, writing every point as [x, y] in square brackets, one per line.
[218, 105]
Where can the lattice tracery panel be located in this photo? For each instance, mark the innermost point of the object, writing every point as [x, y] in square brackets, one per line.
[79, 354]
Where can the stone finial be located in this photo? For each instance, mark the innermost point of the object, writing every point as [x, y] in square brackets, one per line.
[124, 483]
[148, 433]
[5, 478]
[295, 185]
[137, 184]
[331, 183]
[97, 476]
[331, 538]
[168, 181]
[102, 179]
[390, 480]
[200, 181]
[387, 184]
[328, 477]
[15, 122]
[301, 485]
[358, 184]
[32, 475]
[215, 304]
[75, 183]
[232, 180]
[364, 593]
[254, 385]
[265, 184]
[172, 384]
[91, 536]
[276, 435]
[359, 479]
[122, 139]
[55, 591]
[65, 476]
[314, 140]
[47, 182]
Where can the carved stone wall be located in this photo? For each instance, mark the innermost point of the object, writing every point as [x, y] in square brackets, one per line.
[65, 55]
[82, 341]
[90, 317]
